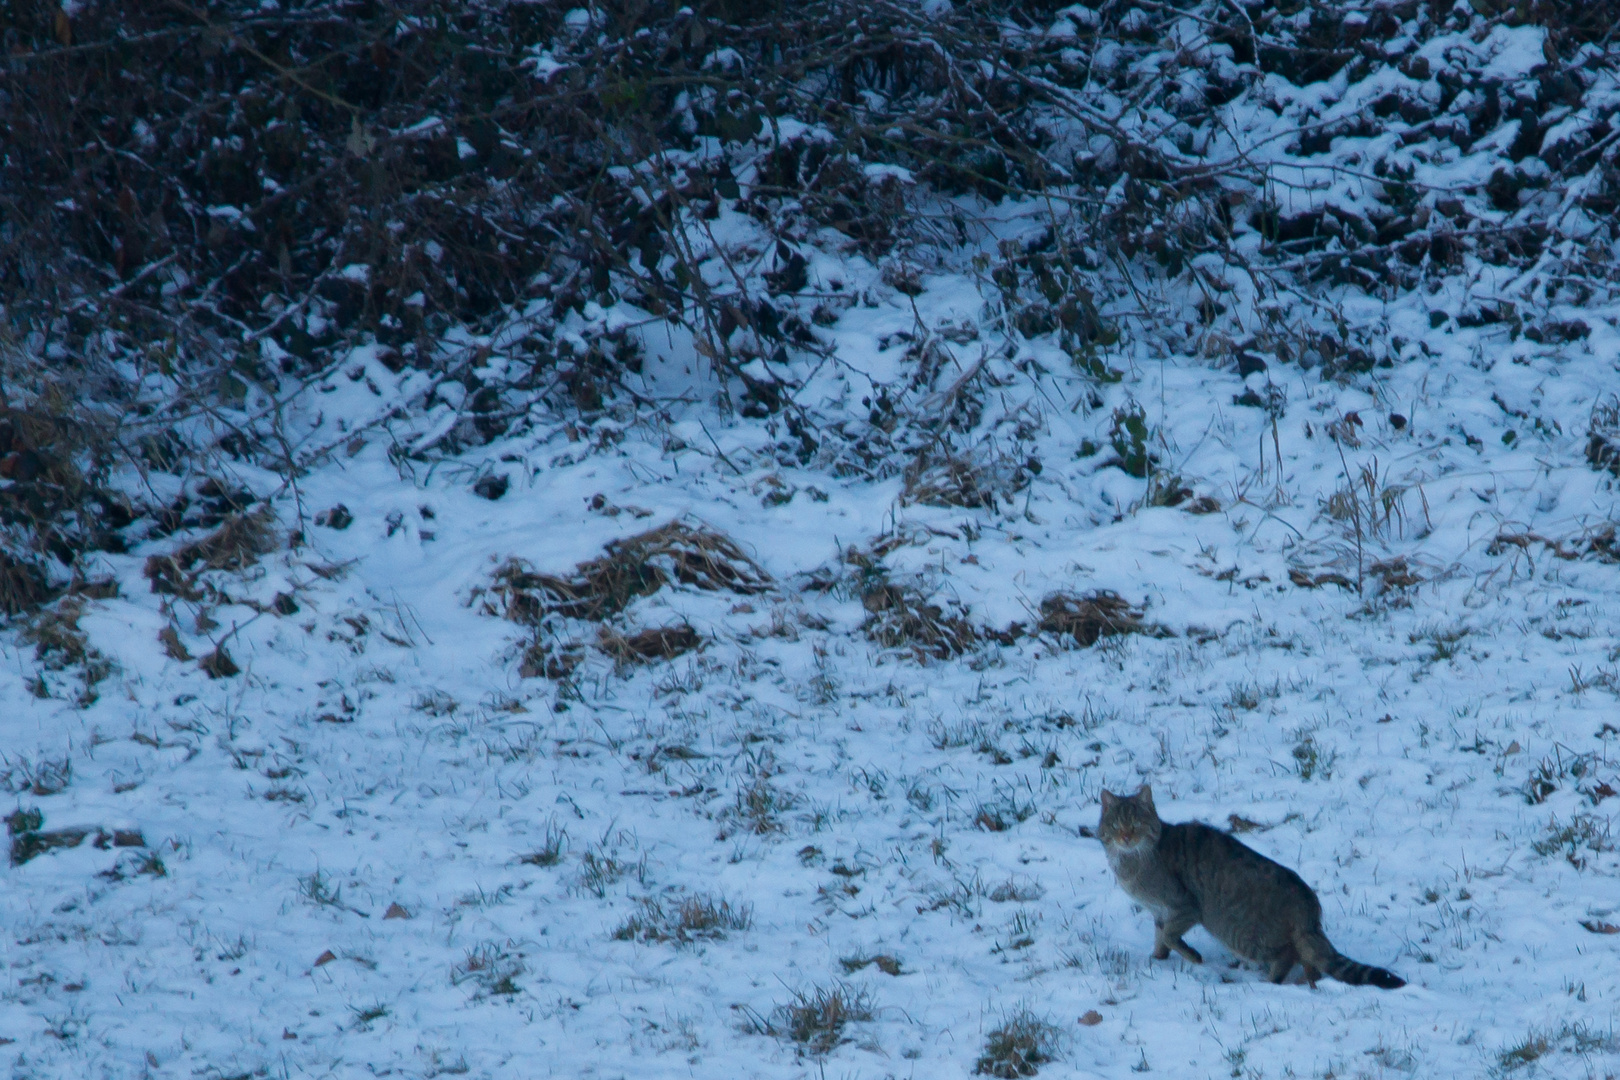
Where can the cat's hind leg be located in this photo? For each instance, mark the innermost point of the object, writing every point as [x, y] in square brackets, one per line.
[1283, 964]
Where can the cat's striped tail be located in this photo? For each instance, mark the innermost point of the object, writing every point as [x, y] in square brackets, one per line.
[1317, 951]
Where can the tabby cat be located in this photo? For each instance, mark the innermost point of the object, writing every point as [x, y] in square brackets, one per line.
[1190, 873]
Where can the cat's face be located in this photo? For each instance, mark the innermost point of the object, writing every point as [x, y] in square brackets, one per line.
[1129, 822]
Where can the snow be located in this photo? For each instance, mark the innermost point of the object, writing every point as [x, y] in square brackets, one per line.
[443, 769]
[380, 850]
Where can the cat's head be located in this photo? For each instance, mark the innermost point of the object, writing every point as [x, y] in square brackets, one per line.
[1129, 821]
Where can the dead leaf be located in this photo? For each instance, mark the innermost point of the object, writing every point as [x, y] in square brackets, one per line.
[1092, 1018]
[1513, 748]
[1597, 927]
[325, 958]
[219, 665]
[173, 647]
[396, 912]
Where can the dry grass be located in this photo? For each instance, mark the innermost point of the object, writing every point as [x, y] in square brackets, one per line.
[629, 569]
[61, 646]
[674, 554]
[646, 646]
[816, 1018]
[544, 657]
[493, 968]
[29, 837]
[1603, 436]
[53, 457]
[1088, 617]
[1019, 1047]
[236, 545]
[23, 586]
[695, 918]
[959, 480]
[889, 965]
[759, 807]
[902, 618]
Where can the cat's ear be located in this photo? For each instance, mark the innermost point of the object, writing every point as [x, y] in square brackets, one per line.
[1144, 795]
[1108, 799]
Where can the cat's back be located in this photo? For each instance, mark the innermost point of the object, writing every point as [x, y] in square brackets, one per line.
[1220, 869]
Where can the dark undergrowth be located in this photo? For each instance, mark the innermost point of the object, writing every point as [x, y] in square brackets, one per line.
[204, 208]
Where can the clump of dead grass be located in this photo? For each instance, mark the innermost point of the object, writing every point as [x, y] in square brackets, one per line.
[237, 544]
[647, 646]
[959, 480]
[629, 569]
[1019, 1047]
[759, 806]
[30, 838]
[677, 553]
[54, 504]
[60, 646]
[816, 1018]
[900, 617]
[493, 968]
[550, 658]
[23, 586]
[699, 917]
[884, 962]
[1086, 618]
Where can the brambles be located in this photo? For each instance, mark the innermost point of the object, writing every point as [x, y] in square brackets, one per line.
[1128, 435]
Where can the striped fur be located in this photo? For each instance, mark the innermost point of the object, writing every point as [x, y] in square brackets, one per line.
[1187, 874]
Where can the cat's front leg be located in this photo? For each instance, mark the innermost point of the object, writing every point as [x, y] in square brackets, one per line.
[1161, 949]
[1167, 935]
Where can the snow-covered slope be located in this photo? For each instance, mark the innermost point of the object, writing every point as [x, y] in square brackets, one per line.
[1434, 757]
[412, 770]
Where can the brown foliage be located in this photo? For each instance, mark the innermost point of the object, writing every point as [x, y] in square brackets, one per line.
[1088, 617]
[631, 568]
[235, 545]
[660, 643]
[902, 618]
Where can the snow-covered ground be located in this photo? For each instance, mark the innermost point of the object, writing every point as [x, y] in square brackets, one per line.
[379, 748]
[377, 841]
